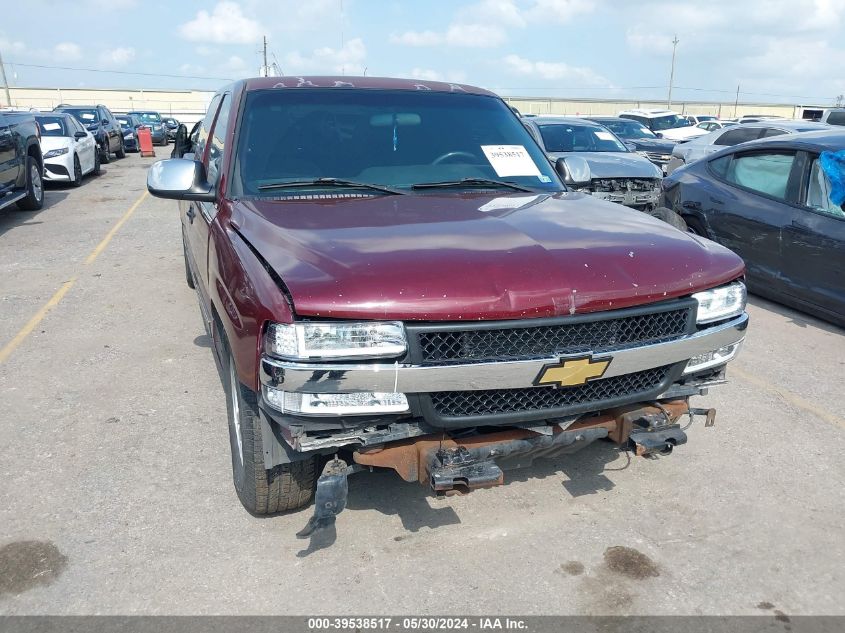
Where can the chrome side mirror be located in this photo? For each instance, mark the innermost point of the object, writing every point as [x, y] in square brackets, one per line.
[574, 170]
[180, 179]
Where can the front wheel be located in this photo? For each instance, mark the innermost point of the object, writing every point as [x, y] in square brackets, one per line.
[105, 154]
[283, 487]
[77, 172]
[670, 217]
[34, 199]
[97, 169]
[121, 151]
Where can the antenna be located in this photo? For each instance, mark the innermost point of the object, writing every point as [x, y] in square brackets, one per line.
[672, 72]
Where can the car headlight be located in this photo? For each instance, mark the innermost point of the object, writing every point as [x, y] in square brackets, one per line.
[326, 340]
[720, 303]
[322, 404]
[56, 152]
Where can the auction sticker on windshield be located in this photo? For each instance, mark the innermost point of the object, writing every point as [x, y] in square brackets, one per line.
[510, 160]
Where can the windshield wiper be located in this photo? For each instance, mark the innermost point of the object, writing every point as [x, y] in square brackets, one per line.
[329, 182]
[470, 182]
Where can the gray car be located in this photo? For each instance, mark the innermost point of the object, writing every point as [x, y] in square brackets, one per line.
[702, 146]
[605, 166]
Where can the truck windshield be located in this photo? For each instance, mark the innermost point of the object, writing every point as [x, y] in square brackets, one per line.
[563, 137]
[392, 138]
[628, 129]
[668, 122]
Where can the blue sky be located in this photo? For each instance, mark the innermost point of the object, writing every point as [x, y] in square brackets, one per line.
[776, 50]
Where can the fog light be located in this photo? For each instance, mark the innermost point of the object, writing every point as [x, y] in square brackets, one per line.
[714, 358]
[356, 403]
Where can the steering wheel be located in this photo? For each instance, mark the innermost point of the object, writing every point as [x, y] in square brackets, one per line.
[450, 155]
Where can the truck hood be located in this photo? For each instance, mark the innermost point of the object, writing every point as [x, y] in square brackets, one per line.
[473, 256]
[683, 133]
[615, 164]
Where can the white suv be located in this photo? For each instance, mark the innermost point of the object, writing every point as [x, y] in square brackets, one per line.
[664, 123]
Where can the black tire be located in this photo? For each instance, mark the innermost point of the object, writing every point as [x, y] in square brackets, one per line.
[97, 169]
[34, 199]
[105, 153]
[189, 278]
[670, 217]
[282, 488]
[121, 151]
[77, 172]
[695, 227]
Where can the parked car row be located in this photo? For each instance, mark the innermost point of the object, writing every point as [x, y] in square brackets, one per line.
[65, 145]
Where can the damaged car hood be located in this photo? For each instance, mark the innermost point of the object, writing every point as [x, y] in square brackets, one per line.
[474, 256]
[614, 164]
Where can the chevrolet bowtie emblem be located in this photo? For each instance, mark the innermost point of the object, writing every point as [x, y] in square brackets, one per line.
[571, 372]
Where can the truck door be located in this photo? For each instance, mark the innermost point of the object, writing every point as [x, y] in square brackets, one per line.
[198, 216]
[8, 163]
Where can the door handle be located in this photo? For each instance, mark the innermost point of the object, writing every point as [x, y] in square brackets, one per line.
[716, 200]
[191, 213]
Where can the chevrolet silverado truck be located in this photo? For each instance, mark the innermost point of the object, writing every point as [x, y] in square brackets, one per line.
[21, 163]
[395, 276]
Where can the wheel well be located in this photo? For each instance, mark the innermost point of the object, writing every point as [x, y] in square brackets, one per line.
[35, 152]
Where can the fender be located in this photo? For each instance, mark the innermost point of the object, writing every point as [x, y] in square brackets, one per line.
[244, 295]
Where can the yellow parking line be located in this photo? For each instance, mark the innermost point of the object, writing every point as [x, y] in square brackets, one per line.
[27, 329]
[105, 242]
[792, 398]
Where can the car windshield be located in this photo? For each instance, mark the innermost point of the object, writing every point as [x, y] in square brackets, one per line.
[565, 137]
[149, 117]
[628, 129]
[391, 138]
[53, 126]
[86, 117]
[124, 122]
[668, 122]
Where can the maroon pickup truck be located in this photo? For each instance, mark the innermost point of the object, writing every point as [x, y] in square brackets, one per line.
[395, 276]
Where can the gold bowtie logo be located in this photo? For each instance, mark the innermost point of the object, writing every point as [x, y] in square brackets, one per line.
[571, 372]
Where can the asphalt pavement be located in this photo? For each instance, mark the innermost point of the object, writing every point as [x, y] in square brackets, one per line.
[115, 475]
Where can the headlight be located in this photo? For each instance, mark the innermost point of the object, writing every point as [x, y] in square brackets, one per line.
[720, 303]
[314, 340]
[56, 152]
[322, 404]
[712, 359]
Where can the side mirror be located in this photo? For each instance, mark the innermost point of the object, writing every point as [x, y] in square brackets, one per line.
[105, 121]
[180, 179]
[659, 134]
[574, 170]
[80, 135]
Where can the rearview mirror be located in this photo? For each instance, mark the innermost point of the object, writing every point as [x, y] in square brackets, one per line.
[574, 170]
[400, 119]
[80, 135]
[179, 179]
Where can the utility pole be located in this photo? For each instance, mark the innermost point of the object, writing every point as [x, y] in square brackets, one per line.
[264, 68]
[672, 72]
[5, 83]
[736, 103]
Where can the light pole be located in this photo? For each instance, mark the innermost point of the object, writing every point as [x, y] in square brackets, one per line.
[672, 73]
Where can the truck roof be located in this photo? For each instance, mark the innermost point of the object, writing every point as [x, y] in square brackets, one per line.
[371, 83]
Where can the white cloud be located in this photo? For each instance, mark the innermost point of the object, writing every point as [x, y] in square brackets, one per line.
[553, 71]
[417, 38]
[118, 56]
[67, 51]
[11, 46]
[560, 11]
[205, 51]
[426, 74]
[476, 35]
[348, 60]
[226, 24]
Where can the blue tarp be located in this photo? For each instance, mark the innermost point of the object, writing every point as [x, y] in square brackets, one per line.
[833, 165]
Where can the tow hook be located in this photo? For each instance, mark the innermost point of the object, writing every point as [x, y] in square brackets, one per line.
[661, 440]
[330, 497]
[457, 469]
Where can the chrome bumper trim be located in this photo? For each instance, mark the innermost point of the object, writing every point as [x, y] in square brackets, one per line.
[402, 378]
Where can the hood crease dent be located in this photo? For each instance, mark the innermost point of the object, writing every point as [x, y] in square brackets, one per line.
[474, 256]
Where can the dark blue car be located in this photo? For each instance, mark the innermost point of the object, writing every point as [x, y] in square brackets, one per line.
[772, 202]
[155, 123]
[129, 127]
